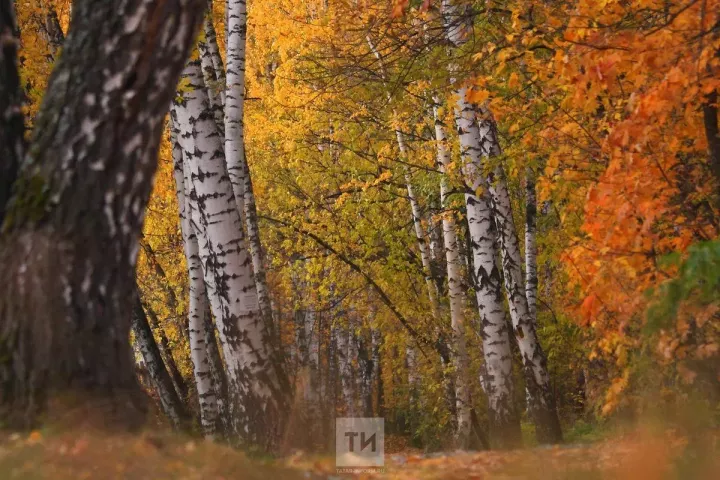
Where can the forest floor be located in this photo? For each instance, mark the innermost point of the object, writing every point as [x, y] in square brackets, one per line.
[81, 455]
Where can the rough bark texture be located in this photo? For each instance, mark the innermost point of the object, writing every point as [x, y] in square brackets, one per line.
[207, 46]
[235, 155]
[253, 384]
[12, 123]
[214, 51]
[497, 371]
[68, 253]
[197, 309]
[171, 403]
[456, 292]
[235, 97]
[541, 401]
[531, 274]
[256, 251]
[52, 31]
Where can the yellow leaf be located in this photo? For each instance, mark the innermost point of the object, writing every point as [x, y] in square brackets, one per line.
[478, 96]
[514, 80]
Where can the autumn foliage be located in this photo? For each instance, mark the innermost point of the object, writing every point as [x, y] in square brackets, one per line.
[611, 104]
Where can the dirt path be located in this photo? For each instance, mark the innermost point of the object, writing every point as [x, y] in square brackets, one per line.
[158, 456]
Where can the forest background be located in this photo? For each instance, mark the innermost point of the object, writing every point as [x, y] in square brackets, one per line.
[605, 115]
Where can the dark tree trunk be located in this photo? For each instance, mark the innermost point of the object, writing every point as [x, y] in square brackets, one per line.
[70, 239]
[710, 117]
[170, 401]
[12, 124]
[217, 370]
[166, 353]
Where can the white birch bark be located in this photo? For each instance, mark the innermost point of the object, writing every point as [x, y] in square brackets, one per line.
[253, 386]
[198, 300]
[214, 51]
[216, 90]
[497, 381]
[235, 97]
[541, 402]
[235, 154]
[531, 274]
[455, 290]
[256, 250]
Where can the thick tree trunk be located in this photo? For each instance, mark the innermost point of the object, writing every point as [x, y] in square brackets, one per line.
[171, 403]
[458, 25]
[12, 123]
[253, 384]
[69, 247]
[541, 404]
[197, 309]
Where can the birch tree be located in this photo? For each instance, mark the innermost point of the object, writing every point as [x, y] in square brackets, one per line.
[70, 237]
[236, 156]
[455, 285]
[170, 401]
[497, 381]
[531, 273]
[253, 383]
[541, 401]
[206, 388]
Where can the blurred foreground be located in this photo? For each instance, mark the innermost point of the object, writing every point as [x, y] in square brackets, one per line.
[77, 455]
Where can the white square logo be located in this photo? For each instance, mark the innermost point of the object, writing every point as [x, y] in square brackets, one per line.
[359, 442]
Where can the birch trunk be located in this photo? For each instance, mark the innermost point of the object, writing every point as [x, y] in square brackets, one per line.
[206, 389]
[235, 97]
[256, 251]
[253, 386]
[497, 381]
[235, 154]
[216, 90]
[541, 401]
[67, 256]
[214, 51]
[455, 288]
[169, 400]
[166, 353]
[531, 275]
